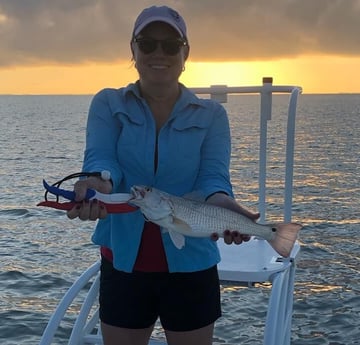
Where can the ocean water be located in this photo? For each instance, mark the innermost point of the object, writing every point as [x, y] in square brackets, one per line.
[42, 252]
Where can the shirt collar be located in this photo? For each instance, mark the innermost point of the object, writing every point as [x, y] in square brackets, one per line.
[187, 97]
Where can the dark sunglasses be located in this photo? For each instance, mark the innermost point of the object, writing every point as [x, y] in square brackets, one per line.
[169, 46]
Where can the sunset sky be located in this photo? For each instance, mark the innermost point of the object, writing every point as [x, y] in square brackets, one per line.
[82, 46]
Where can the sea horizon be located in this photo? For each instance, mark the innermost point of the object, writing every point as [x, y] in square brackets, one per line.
[190, 87]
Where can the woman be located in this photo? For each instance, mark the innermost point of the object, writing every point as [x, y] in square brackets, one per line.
[156, 132]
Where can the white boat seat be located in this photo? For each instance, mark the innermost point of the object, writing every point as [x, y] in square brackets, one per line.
[252, 262]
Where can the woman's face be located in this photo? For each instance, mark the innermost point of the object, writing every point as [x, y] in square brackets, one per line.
[158, 66]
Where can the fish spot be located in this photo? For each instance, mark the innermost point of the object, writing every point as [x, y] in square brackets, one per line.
[273, 229]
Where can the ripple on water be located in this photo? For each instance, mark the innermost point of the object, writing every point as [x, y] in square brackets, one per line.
[14, 213]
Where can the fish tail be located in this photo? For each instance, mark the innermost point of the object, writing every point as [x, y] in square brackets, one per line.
[285, 237]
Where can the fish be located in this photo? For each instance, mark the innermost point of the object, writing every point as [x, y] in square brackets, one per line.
[182, 216]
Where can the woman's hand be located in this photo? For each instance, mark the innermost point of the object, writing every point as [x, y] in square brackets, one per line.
[85, 209]
[223, 200]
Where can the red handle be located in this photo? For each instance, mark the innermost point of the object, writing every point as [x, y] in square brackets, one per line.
[110, 208]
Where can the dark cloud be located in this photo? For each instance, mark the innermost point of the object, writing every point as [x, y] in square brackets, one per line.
[68, 31]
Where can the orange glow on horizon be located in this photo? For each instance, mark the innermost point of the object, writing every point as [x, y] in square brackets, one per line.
[316, 74]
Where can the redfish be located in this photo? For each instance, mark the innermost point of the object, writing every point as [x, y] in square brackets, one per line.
[186, 217]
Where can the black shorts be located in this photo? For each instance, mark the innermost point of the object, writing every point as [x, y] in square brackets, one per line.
[182, 301]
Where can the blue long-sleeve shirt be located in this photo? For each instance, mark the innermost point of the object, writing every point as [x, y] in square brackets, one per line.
[193, 154]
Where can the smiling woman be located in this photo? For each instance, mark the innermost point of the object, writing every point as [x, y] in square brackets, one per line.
[156, 132]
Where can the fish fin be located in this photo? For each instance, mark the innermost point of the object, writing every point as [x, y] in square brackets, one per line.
[285, 237]
[177, 238]
[182, 226]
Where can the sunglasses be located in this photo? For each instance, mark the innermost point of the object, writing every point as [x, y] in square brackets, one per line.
[169, 46]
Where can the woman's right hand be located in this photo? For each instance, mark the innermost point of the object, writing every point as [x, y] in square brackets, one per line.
[89, 209]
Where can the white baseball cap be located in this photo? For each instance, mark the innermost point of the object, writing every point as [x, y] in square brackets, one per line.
[160, 14]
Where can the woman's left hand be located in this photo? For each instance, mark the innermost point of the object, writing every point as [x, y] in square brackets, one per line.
[223, 200]
[231, 237]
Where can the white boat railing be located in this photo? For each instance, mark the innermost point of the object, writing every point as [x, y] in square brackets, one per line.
[255, 261]
[266, 91]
